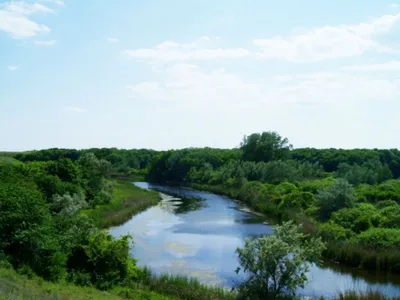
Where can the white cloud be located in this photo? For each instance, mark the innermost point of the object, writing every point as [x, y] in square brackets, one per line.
[46, 43]
[328, 41]
[14, 19]
[13, 68]
[27, 8]
[387, 66]
[196, 50]
[18, 26]
[75, 109]
[58, 2]
[192, 87]
[112, 40]
[394, 5]
[315, 44]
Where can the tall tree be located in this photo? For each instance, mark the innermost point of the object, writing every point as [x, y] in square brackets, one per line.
[265, 146]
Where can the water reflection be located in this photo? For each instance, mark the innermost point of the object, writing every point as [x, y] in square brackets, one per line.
[196, 233]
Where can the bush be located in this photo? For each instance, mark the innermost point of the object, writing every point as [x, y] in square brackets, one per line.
[334, 232]
[277, 264]
[297, 200]
[359, 218]
[106, 259]
[340, 195]
[377, 238]
[26, 232]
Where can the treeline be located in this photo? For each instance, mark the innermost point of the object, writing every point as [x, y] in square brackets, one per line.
[119, 159]
[331, 159]
[349, 197]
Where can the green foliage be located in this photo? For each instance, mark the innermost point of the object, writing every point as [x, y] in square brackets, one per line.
[277, 265]
[94, 171]
[330, 159]
[26, 232]
[16, 286]
[388, 190]
[377, 238]
[358, 218]
[48, 155]
[340, 195]
[67, 205]
[314, 186]
[271, 172]
[185, 288]
[333, 232]
[126, 201]
[390, 216]
[105, 259]
[181, 165]
[371, 172]
[370, 295]
[297, 200]
[265, 147]
[7, 160]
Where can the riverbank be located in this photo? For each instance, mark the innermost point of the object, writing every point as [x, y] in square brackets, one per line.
[351, 255]
[148, 216]
[127, 201]
[14, 285]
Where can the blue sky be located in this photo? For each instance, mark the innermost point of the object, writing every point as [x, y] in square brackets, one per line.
[173, 74]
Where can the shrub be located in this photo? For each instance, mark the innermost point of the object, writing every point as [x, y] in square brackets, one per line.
[106, 259]
[339, 195]
[379, 238]
[277, 265]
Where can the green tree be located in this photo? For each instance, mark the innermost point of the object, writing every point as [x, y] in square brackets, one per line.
[105, 259]
[98, 189]
[340, 195]
[277, 264]
[26, 232]
[265, 147]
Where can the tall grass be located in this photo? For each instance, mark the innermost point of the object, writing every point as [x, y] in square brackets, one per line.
[16, 286]
[127, 200]
[357, 256]
[370, 295]
[183, 287]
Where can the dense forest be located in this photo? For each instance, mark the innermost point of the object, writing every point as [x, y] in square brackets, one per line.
[349, 198]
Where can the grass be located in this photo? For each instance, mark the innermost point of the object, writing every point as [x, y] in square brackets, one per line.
[8, 160]
[15, 286]
[127, 200]
[183, 287]
[370, 295]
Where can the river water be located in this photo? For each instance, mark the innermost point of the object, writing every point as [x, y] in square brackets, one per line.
[196, 233]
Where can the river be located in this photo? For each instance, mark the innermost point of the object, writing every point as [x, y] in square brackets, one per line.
[196, 233]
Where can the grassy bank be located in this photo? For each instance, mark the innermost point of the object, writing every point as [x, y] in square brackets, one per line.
[8, 160]
[16, 286]
[166, 287]
[371, 295]
[127, 200]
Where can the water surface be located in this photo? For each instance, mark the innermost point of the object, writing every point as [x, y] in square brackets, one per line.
[196, 233]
